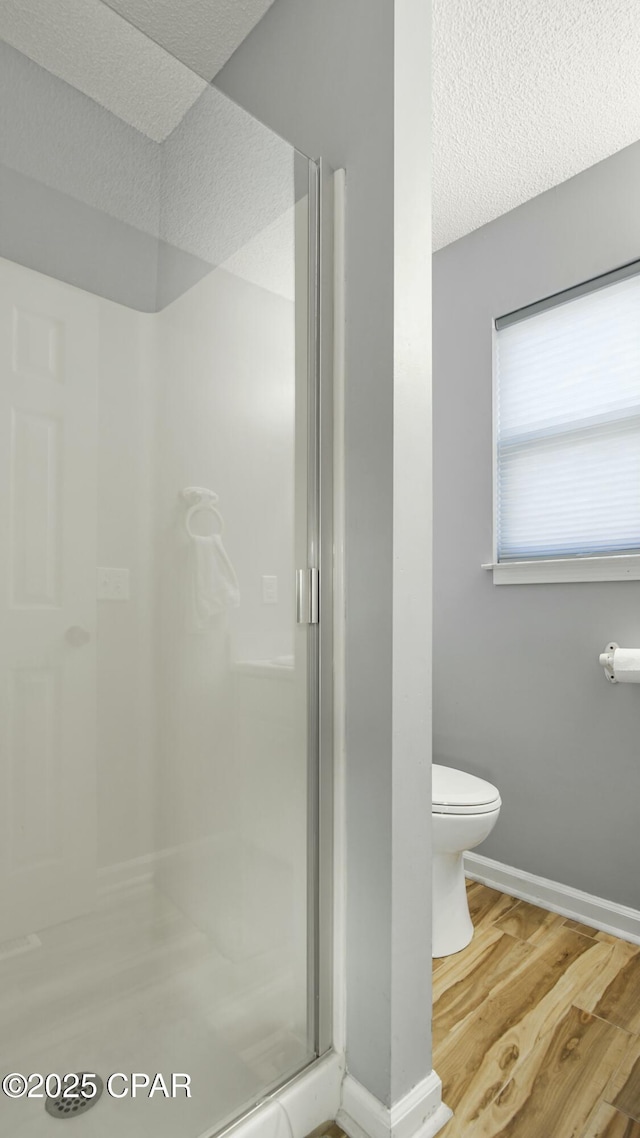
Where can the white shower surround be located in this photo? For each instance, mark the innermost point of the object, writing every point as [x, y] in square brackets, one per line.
[200, 827]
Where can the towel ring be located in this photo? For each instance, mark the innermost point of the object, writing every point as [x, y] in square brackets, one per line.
[205, 507]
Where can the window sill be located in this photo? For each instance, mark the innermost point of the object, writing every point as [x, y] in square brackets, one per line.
[567, 570]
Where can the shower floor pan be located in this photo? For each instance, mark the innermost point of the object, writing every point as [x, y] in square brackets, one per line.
[136, 987]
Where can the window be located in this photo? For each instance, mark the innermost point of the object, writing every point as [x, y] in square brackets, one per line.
[567, 429]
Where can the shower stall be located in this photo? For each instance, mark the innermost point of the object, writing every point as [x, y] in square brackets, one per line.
[164, 523]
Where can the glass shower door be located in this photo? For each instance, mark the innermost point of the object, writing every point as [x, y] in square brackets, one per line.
[158, 679]
[234, 806]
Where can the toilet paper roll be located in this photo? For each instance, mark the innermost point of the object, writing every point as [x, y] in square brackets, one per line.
[626, 665]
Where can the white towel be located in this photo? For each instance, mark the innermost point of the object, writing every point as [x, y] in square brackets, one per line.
[214, 585]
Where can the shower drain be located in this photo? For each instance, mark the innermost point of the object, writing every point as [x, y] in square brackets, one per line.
[64, 1106]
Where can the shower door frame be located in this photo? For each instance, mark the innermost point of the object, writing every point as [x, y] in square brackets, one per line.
[318, 381]
[321, 554]
[320, 642]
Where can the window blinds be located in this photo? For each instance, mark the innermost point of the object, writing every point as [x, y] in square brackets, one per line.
[568, 424]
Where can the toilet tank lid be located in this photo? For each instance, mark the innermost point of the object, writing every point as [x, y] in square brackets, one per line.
[451, 787]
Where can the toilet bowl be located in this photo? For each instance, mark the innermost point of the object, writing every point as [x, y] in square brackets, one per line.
[464, 811]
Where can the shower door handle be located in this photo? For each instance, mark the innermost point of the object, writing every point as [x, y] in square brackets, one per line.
[308, 596]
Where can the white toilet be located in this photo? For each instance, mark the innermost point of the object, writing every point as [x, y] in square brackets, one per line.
[464, 811]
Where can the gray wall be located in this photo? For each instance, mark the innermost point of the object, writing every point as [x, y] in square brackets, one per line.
[519, 697]
[321, 73]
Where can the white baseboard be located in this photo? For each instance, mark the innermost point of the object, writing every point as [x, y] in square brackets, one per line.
[584, 907]
[420, 1114]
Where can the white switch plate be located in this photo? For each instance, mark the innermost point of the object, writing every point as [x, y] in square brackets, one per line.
[113, 584]
[269, 590]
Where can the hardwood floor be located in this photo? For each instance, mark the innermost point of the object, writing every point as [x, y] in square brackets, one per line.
[327, 1130]
[537, 1026]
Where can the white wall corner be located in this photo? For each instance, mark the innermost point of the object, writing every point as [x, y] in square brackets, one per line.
[420, 1114]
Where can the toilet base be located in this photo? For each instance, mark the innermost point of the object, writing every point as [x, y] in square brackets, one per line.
[452, 926]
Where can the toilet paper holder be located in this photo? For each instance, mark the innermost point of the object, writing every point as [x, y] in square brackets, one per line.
[606, 659]
[621, 665]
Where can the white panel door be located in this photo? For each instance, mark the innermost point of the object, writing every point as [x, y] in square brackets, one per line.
[48, 412]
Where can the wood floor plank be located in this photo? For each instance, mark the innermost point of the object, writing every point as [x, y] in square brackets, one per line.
[528, 922]
[555, 1088]
[588, 930]
[614, 993]
[460, 965]
[327, 1130]
[487, 905]
[623, 1091]
[577, 927]
[607, 1122]
[467, 984]
[477, 1060]
[537, 1026]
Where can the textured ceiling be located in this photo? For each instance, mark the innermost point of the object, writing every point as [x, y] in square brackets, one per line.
[198, 176]
[201, 33]
[527, 93]
[136, 77]
[100, 54]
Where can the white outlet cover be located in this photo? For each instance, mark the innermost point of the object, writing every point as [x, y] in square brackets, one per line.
[269, 590]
